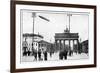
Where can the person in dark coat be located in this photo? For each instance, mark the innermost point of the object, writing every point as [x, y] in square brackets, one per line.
[39, 54]
[28, 52]
[25, 47]
[70, 52]
[34, 52]
[35, 55]
[45, 56]
[63, 53]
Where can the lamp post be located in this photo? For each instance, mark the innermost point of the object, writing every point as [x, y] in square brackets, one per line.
[69, 15]
[33, 16]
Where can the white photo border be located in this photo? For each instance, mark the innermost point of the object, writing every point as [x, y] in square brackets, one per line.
[53, 63]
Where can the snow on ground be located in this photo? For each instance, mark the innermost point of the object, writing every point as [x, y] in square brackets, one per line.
[55, 56]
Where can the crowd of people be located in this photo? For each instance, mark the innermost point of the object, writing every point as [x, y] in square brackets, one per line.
[63, 54]
[43, 55]
[34, 52]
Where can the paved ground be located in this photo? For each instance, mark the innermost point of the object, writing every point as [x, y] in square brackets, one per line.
[55, 56]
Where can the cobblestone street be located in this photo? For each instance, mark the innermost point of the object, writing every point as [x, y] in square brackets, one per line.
[55, 57]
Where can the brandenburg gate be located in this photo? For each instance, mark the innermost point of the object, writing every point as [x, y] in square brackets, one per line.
[61, 38]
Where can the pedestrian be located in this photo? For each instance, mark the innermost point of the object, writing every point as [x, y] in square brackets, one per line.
[29, 52]
[34, 52]
[25, 47]
[51, 54]
[39, 54]
[61, 55]
[35, 55]
[65, 54]
[45, 56]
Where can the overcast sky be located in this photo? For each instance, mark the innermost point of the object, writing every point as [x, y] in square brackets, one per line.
[57, 24]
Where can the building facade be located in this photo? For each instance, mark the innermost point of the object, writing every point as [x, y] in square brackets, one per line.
[32, 42]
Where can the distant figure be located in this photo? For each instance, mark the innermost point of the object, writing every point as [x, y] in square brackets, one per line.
[34, 52]
[24, 51]
[25, 47]
[28, 52]
[76, 52]
[35, 55]
[51, 54]
[44, 50]
[70, 52]
[39, 54]
[63, 53]
[45, 56]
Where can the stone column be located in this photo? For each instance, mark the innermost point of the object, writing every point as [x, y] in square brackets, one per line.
[60, 44]
[78, 48]
[56, 44]
[64, 44]
[73, 44]
[69, 44]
